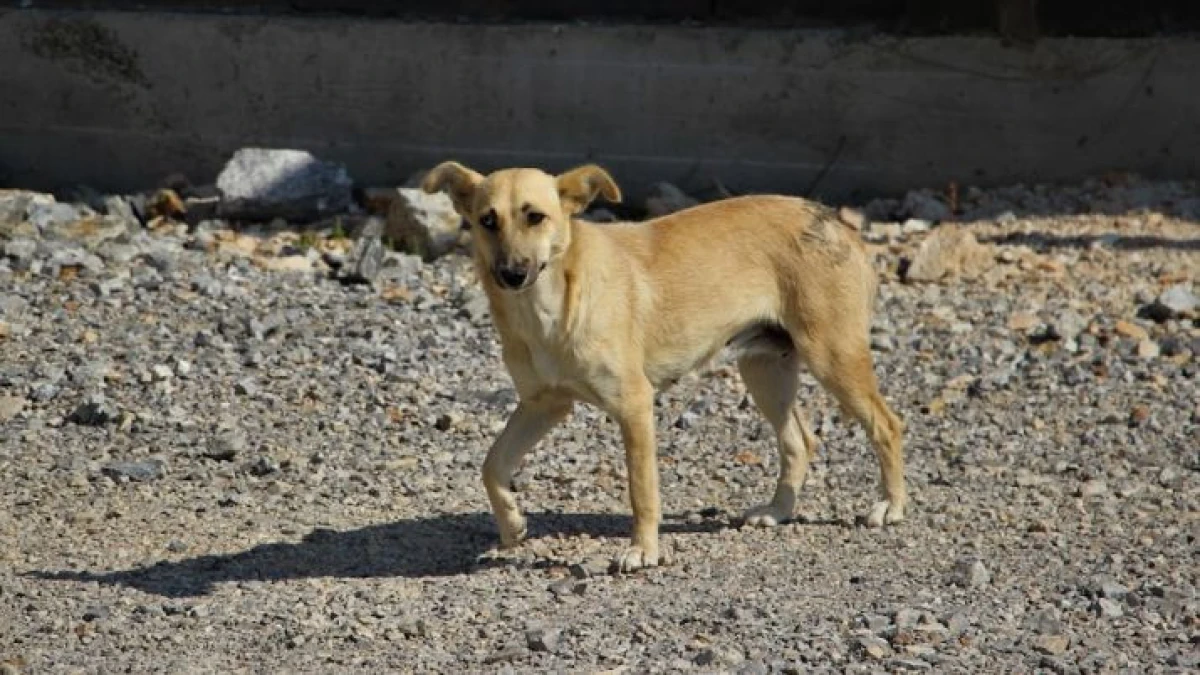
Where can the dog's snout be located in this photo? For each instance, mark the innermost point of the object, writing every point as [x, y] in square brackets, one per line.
[513, 276]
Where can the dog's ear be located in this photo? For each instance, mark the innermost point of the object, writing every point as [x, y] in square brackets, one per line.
[457, 180]
[579, 186]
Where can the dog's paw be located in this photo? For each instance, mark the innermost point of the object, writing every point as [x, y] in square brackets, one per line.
[885, 513]
[637, 557]
[512, 532]
[767, 515]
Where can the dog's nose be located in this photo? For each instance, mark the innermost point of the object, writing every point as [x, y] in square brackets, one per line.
[513, 276]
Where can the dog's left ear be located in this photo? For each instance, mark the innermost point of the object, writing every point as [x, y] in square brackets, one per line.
[579, 186]
[456, 179]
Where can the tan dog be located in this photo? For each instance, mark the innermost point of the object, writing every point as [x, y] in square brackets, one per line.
[607, 313]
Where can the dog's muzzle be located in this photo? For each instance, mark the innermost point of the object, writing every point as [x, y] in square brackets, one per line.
[514, 277]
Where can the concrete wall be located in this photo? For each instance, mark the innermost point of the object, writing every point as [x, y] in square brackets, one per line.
[119, 100]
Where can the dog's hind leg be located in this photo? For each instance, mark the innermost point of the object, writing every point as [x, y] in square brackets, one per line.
[528, 424]
[773, 380]
[842, 364]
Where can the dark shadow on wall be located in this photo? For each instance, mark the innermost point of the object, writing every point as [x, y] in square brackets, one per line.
[438, 546]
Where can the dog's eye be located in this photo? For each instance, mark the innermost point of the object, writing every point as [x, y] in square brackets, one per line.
[488, 221]
[535, 218]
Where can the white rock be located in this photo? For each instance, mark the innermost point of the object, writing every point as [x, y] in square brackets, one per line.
[423, 224]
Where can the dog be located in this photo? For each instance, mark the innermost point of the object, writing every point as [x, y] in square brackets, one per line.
[606, 314]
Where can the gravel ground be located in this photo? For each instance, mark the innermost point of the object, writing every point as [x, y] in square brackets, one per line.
[217, 459]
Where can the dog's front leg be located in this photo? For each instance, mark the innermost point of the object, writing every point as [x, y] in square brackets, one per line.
[636, 417]
[532, 420]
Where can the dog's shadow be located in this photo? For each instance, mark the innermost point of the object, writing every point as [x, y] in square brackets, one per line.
[423, 547]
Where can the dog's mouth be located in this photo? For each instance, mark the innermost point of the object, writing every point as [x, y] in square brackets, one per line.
[517, 279]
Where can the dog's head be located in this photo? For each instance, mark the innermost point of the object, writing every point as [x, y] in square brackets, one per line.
[520, 218]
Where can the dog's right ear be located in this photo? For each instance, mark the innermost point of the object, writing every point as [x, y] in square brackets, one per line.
[457, 180]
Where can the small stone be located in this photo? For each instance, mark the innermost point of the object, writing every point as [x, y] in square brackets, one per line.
[1023, 321]
[1148, 349]
[226, 446]
[907, 618]
[665, 198]
[949, 252]
[509, 653]
[874, 647]
[1180, 300]
[96, 613]
[10, 407]
[1139, 414]
[971, 573]
[176, 546]
[162, 372]
[1053, 645]
[140, 471]
[94, 411]
[718, 656]
[1131, 330]
[263, 466]
[592, 567]
[183, 368]
[1110, 609]
[366, 258]
[542, 639]
[1113, 590]
[246, 387]
[1093, 489]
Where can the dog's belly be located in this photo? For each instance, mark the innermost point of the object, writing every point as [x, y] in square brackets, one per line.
[758, 339]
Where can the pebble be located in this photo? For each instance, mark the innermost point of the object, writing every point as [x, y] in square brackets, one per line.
[95, 410]
[542, 639]
[971, 573]
[140, 470]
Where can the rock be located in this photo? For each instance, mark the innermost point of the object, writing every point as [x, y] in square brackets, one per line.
[266, 183]
[226, 447]
[140, 471]
[666, 198]
[1113, 590]
[246, 387]
[121, 208]
[78, 259]
[21, 251]
[1053, 645]
[719, 656]
[89, 232]
[423, 224]
[1093, 489]
[1148, 349]
[874, 647]
[906, 618]
[949, 252]
[15, 206]
[923, 205]
[1068, 325]
[542, 639]
[1131, 330]
[970, 573]
[592, 567]
[366, 258]
[1179, 300]
[94, 411]
[1109, 609]
[10, 407]
[509, 653]
[915, 226]
[96, 613]
[50, 216]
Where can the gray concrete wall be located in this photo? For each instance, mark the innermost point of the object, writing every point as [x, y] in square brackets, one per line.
[119, 100]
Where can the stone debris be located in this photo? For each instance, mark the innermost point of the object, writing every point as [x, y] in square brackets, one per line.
[214, 447]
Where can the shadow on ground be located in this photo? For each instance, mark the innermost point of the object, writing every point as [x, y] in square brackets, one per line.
[423, 547]
[1047, 240]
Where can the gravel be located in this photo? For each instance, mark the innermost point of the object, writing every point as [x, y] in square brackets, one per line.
[304, 494]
